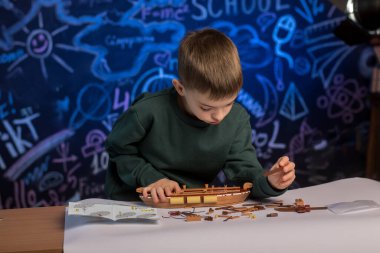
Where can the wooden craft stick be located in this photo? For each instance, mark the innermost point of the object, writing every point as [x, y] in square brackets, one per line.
[251, 204]
[224, 207]
[294, 209]
[318, 208]
[271, 172]
[231, 218]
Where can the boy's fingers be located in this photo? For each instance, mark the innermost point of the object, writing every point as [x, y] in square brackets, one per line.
[146, 190]
[288, 182]
[288, 176]
[273, 170]
[177, 188]
[289, 167]
[168, 190]
[153, 193]
[161, 194]
[283, 161]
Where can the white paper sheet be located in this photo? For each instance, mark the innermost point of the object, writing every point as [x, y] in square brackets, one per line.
[113, 210]
[317, 231]
[357, 206]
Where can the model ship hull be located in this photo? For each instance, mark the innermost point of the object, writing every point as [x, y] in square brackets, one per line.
[203, 197]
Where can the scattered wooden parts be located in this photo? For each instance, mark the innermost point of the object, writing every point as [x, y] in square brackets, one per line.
[243, 209]
[223, 207]
[247, 210]
[299, 202]
[193, 217]
[298, 207]
[174, 213]
[229, 217]
[272, 205]
[251, 204]
[249, 215]
[208, 218]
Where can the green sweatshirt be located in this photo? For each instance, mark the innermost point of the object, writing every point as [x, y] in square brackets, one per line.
[154, 139]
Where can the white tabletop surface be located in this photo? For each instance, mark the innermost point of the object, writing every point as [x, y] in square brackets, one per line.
[317, 231]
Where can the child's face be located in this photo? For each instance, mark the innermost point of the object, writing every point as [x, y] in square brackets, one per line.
[202, 107]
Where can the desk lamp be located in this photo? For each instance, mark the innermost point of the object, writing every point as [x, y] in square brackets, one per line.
[363, 26]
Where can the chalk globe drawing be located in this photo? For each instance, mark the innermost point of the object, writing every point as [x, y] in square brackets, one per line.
[152, 81]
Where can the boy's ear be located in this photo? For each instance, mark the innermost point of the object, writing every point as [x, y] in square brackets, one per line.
[178, 87]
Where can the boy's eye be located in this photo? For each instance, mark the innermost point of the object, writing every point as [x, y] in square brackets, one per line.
[205, 109]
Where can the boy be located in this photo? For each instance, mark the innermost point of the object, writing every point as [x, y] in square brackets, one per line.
[187, 134]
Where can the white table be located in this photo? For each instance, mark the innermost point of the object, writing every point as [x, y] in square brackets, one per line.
[317, 231]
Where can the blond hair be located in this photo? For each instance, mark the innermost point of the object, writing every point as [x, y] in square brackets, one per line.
[208, 61]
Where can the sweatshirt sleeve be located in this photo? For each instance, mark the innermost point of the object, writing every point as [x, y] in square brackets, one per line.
[121, 145]
[242, 164]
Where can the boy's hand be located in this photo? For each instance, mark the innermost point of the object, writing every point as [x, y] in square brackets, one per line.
[161, 189]
[285, 175]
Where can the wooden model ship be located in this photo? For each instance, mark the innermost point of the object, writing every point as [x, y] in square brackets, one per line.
[202, 197]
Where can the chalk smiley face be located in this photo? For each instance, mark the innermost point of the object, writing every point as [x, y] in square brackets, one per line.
[39, 43]
[40, 38]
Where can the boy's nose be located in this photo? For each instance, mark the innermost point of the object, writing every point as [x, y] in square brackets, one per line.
[218, 116]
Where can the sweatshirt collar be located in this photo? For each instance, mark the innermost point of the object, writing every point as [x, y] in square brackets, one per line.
[183, 115]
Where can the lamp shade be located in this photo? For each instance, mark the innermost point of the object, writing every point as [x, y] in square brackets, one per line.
[367, 13]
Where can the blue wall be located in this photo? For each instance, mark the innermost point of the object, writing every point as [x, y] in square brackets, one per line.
[69, 68]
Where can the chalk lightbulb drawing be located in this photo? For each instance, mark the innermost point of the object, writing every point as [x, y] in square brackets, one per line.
[40, 44]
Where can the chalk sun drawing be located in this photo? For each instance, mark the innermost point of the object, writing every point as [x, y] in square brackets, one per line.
[40, 45]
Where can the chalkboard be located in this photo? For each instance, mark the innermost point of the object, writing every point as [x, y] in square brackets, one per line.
[69, 68]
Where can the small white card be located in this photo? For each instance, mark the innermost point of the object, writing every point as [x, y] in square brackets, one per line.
[353, 207]
[111, 210]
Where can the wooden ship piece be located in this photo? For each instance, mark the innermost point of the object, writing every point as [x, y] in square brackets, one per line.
[202, 197]
[299, 207]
